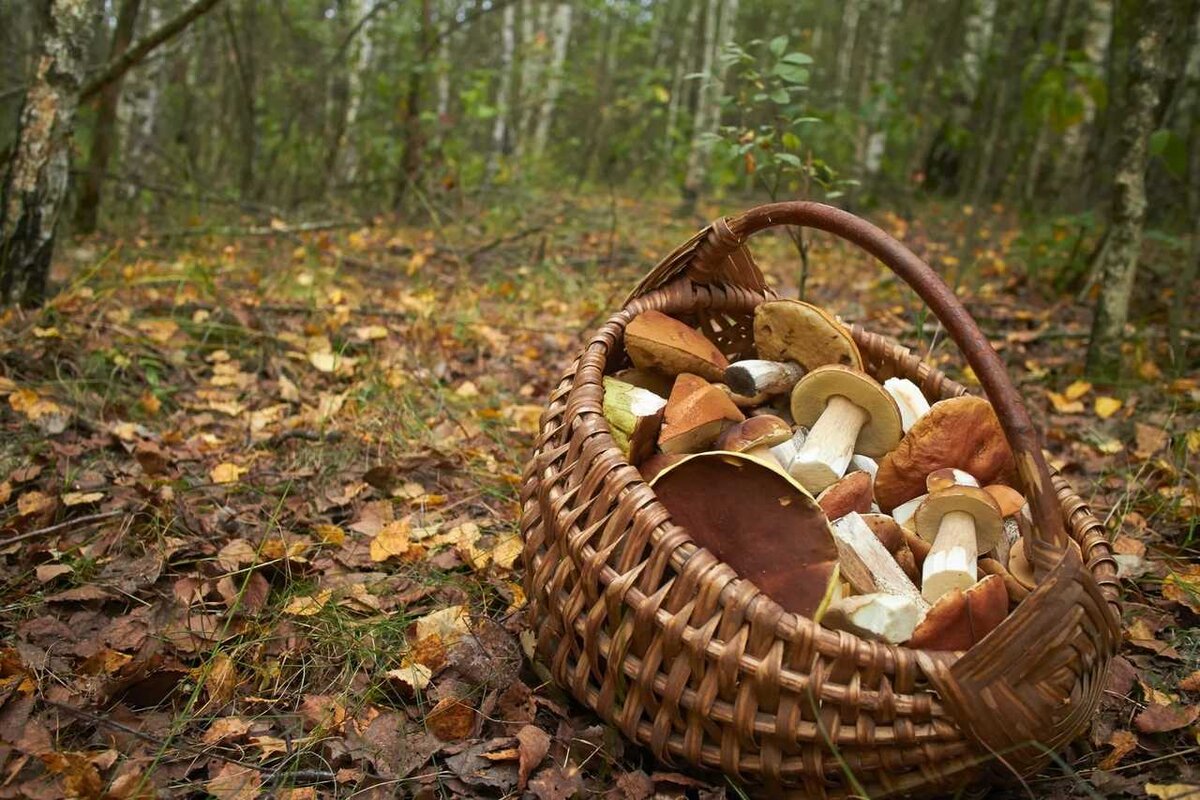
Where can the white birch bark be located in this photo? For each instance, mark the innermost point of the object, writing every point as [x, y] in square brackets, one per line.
[138, 110]
[1096, 40]
[364, 55]
[560, 37]
[442, 86]
[979, 27]
[718, 31]
[1119, 259]
[504, 90]
[531, 59]
[683, 64]
[851, 10]
[874, 136]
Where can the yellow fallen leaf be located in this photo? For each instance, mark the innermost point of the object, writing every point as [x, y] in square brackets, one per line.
[1077, 390]
[1193, 440]
[507, 551]
[448, 623]
[331, 362]
[1110, 446]
[81, 498]
[1173, 791]
[226, 472]
[393, 540]
[467, 389]
[330, 534]
[414, 676]
[160, 330]
[46, 333]
[371, 332]
[307, 606]
[33, 503]
[1063, 405]
[1105, 407]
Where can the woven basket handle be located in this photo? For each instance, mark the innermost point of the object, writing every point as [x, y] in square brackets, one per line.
[712, 263]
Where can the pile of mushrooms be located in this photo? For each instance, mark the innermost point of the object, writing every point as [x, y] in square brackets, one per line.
[857, 504]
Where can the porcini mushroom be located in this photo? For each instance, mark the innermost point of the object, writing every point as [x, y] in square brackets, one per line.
[960, 619]
[755, 437]
[760, 522]
[696, 414]
[948, 476]
[846, 412]
[850, 493]
[909, 400]
[798, 332]
[656, 341]
[885, 617]
[754, 376]
[858, 544]
[1021, 568]
[1011, 504]
[962, 522]
[892, 537]
[634, 415]
[961, 432]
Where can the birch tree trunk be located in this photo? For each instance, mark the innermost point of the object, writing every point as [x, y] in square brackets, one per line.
[532, 59]
[846, 43]
[718, 31]
[364, 56]
[874, 135]
[411, 161]
[1187, 109]
[1096, 39]
[1119, 259]
[560, 37]
[1059, 14]
[138, 111]
[683, 63]
[35, 180]
[979, 26]
[504, 91]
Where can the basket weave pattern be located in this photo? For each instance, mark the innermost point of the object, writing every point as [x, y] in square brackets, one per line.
[668, 644]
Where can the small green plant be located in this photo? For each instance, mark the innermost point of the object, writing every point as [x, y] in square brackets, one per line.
[771, 141]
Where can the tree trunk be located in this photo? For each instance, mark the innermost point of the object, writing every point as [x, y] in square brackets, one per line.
[718, 31]
[503, 91]
[138, 111]
[35, 181]
[560, 38]
[364, 56]
[851, 10]
[1184, 299]
[873, 134]
[1096, 38]
[414, 135]
[683, 64]
[1119, 260]
[1059, 14]
[104, 136]
[978, 44]
[246, 107]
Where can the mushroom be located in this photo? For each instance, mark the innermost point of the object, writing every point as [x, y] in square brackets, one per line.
[760, 522]
[847, 412]
[948, 476]
[962, 522]
[904, 513]
[1021, 568]
[634, 416]
[892, 537]
[1016, 590]
[859, 547]
[656, 341]
[650, 379]
[1011, 504]
[885, 617]
[755, 437]
[696, 414]
[909, 399]
[657, 463]
[754, 376]
[798, 332]
[961, 432]
[786, 451]
[851, 493]
[960, 618]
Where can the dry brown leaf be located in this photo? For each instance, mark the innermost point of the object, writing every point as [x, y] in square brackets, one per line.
[1183, 587]
[392, 541]
[1150, 440]
[235, 782]
[534, 743]
[1162, 718]
[225, 729]
[1123, 743]
[322, 711]
[306, 606]
[451, 719]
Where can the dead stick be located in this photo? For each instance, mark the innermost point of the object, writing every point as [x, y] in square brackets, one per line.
[62, 526]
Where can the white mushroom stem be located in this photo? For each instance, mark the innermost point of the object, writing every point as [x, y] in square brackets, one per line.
[766, 453]
[830, 445]
[909, 399]
[755, 376]
[857, 542]
[951, 563]
[865, 464]
[904, 513]
[883, 617]
[784, 453]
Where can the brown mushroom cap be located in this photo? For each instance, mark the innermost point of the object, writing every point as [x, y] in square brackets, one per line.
[1009, 499]
[697, 413]
[882, 429]
[886, 530]
[960, 619]
[759, 521]
[1021, 568]
[961, 432]
[656, 341]
[792, 330]
[657, 463]
[765, 430]
[851, 493]
[989, 525]
[948, 476]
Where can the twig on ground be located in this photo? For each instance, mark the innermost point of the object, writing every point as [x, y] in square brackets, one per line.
[70, 524]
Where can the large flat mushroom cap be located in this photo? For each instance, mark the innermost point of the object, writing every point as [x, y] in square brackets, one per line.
[656, 341]
[882, 429]
[960, 619]
[764, 430]
[792, 330]
[961, 432]
[989, 524]
[759, 521]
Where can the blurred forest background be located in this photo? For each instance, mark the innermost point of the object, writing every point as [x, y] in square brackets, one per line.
[284, 285]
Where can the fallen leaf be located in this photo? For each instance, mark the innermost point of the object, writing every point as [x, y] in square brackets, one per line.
[1150, 440]
[557, 783]
[330, 534]
[1183, 586]
[34, 502]
[450, 720]
[448, 623]
[413, 677]
[1161, 718]
[533, 744]
[1064, 405]
[235, 782]
[394, 540]
[81, 498]
[1191, 683]
[226, 472]
[224, 729]
[236, 553]
[1105, 407]
[48, 572]
[1173, 791]
[1123, 743]
[306, 606]
[1077, 390]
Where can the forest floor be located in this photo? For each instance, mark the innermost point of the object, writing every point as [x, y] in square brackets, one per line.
[258, 501]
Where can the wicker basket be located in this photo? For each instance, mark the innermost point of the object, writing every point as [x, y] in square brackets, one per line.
[673, 648]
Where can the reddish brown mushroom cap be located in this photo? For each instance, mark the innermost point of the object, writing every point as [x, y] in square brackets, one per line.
[656, 341]
[961, 432]
[757, 520]
[851, 493]
[1009, 499]
[696, 414]
[960, 619]
[764, 430]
